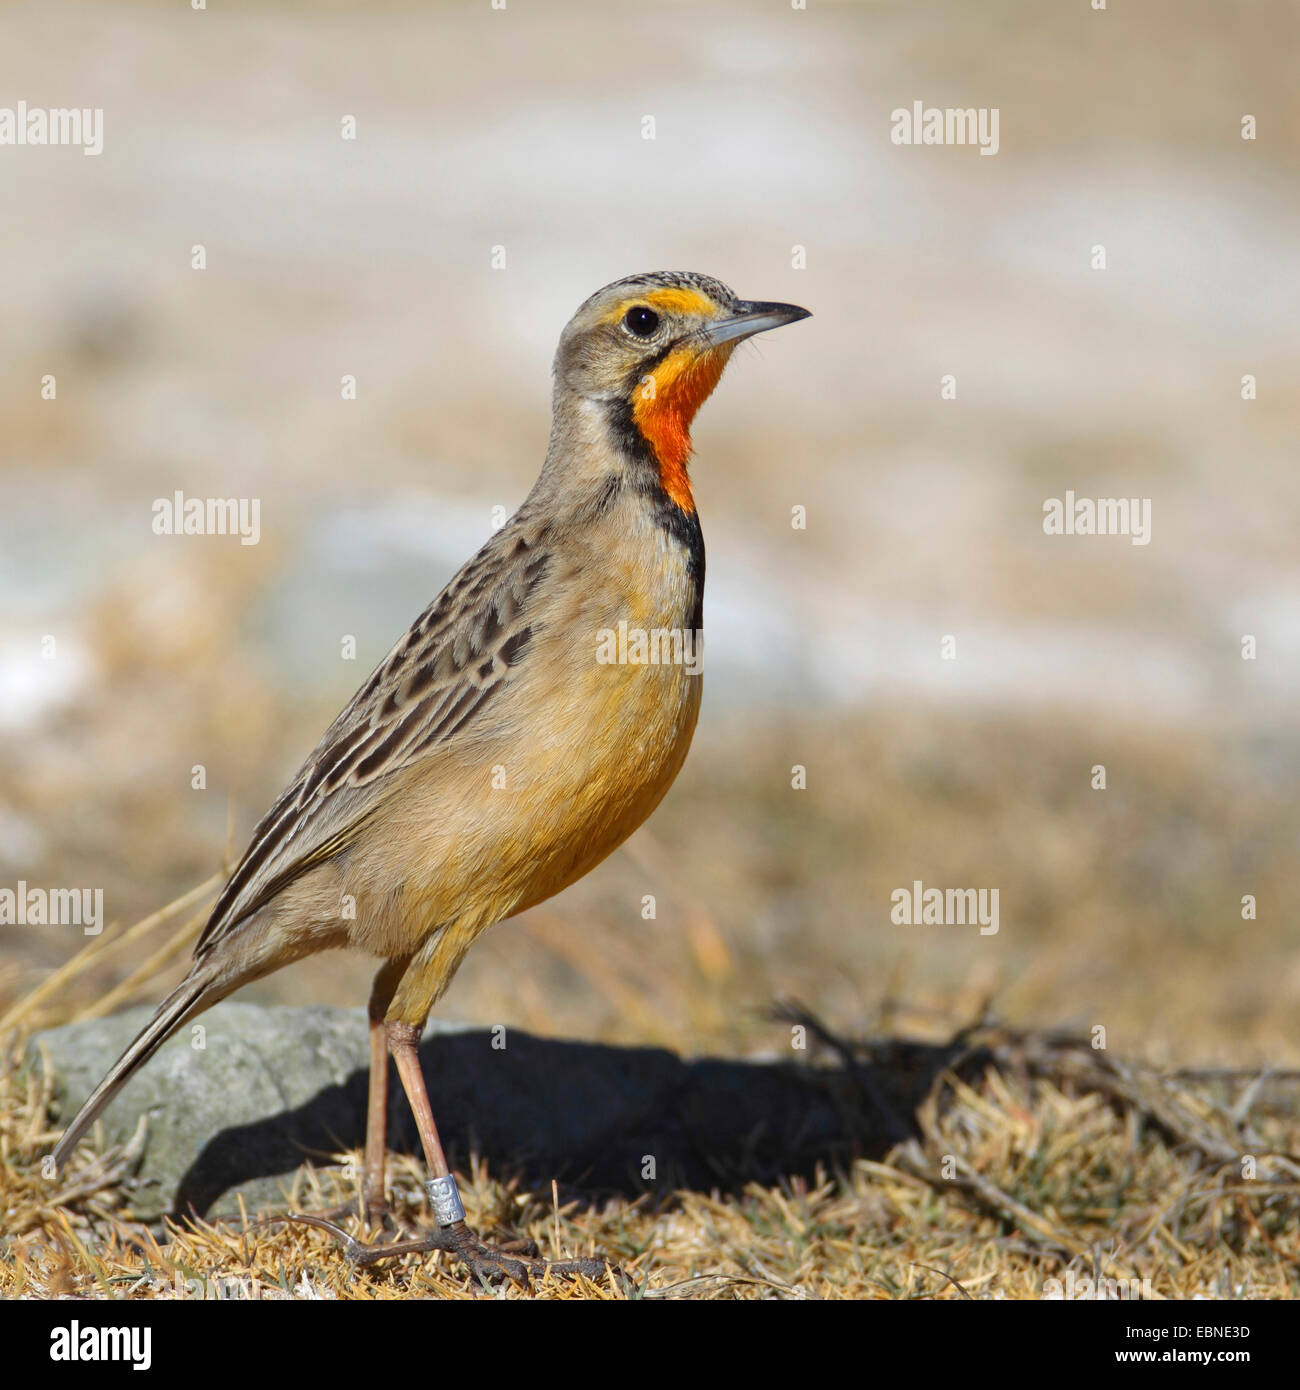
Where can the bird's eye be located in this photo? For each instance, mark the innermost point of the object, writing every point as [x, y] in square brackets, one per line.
[641, 321]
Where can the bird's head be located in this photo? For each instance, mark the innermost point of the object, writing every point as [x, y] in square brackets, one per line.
[649, 349]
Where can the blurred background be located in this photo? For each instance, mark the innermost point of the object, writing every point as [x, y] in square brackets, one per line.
[522, 129]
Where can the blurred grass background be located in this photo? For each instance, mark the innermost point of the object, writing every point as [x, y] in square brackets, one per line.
[522, 128]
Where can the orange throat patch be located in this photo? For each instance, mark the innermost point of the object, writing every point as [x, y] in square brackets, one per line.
[664, 406]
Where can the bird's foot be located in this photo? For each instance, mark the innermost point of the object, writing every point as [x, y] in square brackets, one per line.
[518, 1260]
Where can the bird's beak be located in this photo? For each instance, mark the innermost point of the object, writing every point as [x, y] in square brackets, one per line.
[750, 317]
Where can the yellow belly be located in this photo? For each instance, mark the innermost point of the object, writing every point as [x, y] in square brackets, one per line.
[579, 753]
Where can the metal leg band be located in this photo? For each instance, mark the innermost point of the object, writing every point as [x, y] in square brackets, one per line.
[444, 1198]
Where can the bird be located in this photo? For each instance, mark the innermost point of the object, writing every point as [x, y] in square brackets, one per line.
[504, 746]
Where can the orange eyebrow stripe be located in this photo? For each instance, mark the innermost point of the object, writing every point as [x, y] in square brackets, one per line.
[681, 301]
[669, 300]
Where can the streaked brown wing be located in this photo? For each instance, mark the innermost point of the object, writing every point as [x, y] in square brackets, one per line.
[434, 684]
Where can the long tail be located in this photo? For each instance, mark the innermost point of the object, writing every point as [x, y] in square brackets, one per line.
[172, 1012]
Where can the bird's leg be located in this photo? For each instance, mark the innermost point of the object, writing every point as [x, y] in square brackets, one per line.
[374, 1206]
[404, 1041]
[452, 1234]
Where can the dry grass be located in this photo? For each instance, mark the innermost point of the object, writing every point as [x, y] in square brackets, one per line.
[1034, 1157]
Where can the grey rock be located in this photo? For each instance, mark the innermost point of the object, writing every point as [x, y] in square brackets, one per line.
[272, 1088]
[221, 1098]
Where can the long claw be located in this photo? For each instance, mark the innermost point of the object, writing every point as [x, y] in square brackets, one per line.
[351, 1246]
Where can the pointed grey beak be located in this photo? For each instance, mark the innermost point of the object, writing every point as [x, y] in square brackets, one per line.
[752, 317]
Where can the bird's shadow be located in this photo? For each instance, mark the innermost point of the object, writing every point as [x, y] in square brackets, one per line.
[605, 1120]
